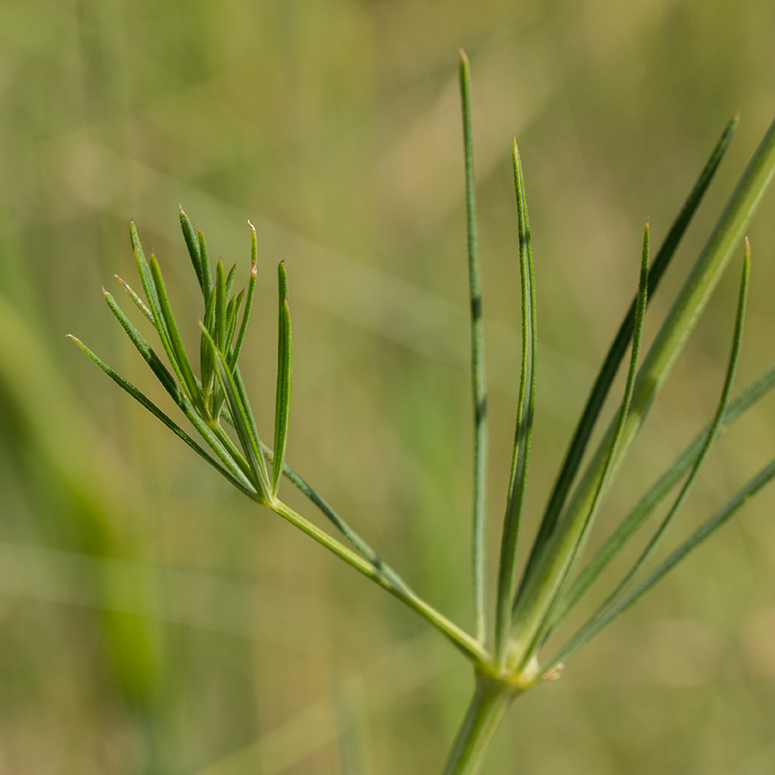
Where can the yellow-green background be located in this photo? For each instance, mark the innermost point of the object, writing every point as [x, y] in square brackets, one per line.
[153, 620]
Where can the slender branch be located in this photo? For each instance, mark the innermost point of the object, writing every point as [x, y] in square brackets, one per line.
[468, 645]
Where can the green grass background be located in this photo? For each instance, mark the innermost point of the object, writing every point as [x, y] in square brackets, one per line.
[154, 621]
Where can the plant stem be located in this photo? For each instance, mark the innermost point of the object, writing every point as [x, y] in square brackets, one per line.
[490, 701]
[472, 649]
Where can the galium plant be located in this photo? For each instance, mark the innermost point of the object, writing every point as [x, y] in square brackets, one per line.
[506, 651]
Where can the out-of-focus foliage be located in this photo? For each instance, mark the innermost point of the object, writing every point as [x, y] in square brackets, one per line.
[151, 619]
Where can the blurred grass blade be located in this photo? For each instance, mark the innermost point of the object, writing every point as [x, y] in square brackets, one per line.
[534, 612]
[248, 435]
[478, 380]
[613, 359]
[193, 249]
[282, 410]
[164, 418]
[180, 356]
[139, 303]
[524, 426]
[595, 625]
[709, 439]
[249, 300]
[204, 259]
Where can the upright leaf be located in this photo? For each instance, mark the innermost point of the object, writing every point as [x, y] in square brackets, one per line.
[524, 428]
[282, 410]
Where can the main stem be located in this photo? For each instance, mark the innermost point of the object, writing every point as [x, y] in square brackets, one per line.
[488, 705]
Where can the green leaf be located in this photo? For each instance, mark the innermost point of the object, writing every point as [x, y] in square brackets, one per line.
[150, 357]
[248, 436]
[284, 377]
[249, 301]
[180, 358]
[165, 419]
[138, 301]
[692, 457]
[535, 610]
[613, 359]
[479, 384]
[232, 311]
[193, 249]
[204, 257]
[219, 324]
[524, 427]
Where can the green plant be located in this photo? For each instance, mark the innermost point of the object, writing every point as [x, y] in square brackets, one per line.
[506, 652]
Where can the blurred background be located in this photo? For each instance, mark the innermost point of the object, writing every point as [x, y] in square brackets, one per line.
[152, 620]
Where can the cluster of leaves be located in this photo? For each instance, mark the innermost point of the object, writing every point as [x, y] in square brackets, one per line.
[219, 391]
[528, 608]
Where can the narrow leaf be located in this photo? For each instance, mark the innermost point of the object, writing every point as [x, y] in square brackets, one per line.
[248, 436]
[180, 357]
[249, 301]
[282, 411]
[204, 258]
[478, 380]
[193, 249]
[150, 357]
[139, 303]
[615, 355]
[535, 610]
[524, 427]
[219, 324]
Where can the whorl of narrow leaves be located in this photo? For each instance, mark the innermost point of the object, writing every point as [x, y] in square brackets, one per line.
[215, 403]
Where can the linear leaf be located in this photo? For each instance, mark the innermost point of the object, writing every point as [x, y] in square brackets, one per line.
[180, 356]
[139, 303]
[249, 301]
[613, 359]
[150, 357]
[534, 612]
[204, 257]
[282, 410]
[247, 436]
[478, 380]
[232, 312]
[193, 249]
[219, 324]
[709, 439]
[524, 426]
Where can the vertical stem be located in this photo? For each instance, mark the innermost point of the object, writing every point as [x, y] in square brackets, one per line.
[489, 703]
[477, 362]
